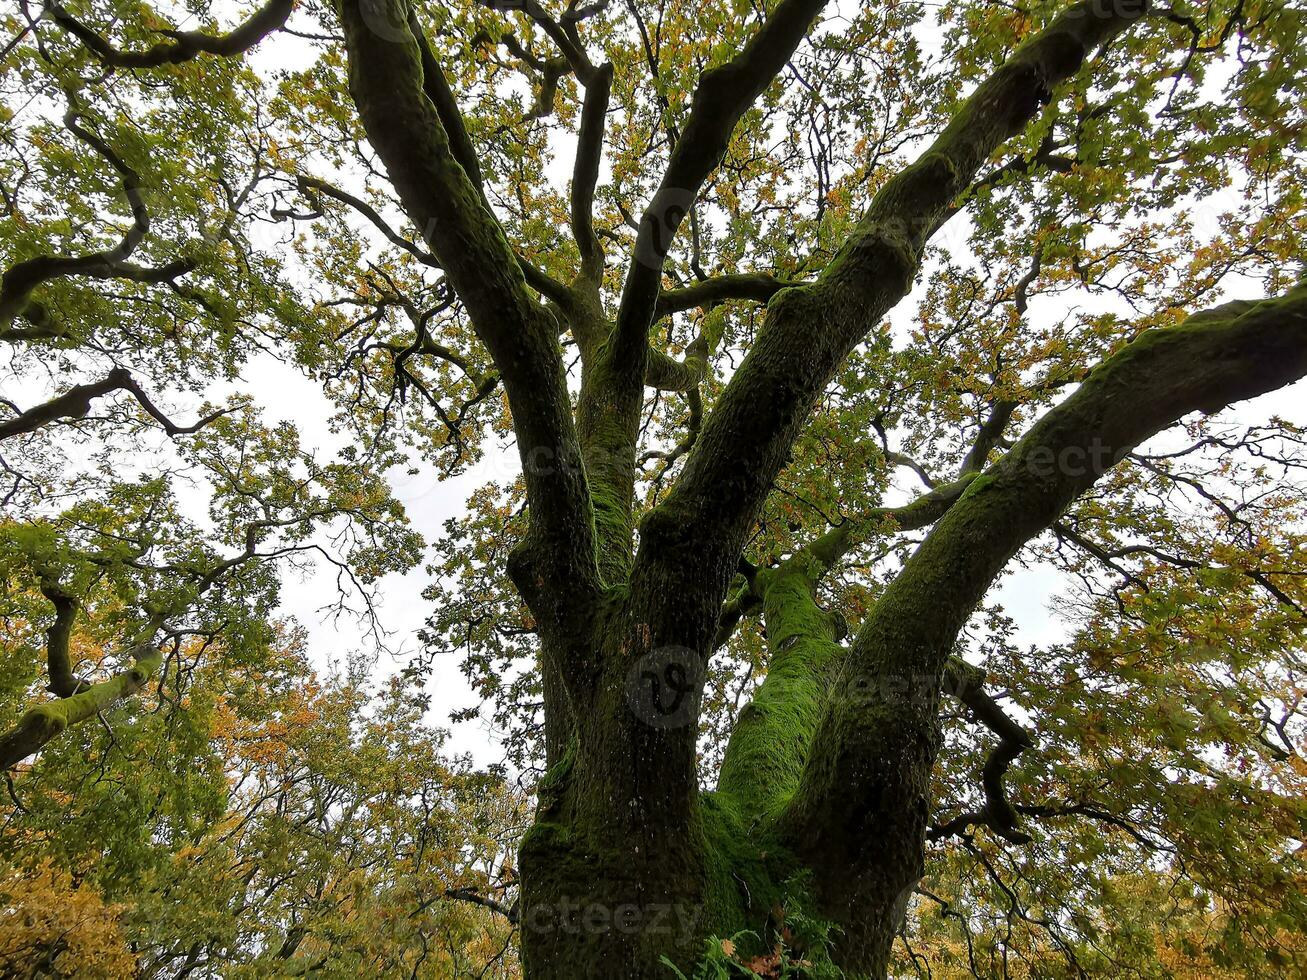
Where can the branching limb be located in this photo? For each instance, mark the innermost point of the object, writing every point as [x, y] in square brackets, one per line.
[509, 912]
[20, 279]
[1216, 357]
[827, 550]
[1044, 156]
[189, 580]
[564, 34]
[666, 373]
[809, 330]
[1065, 532]
[386, 79]
[76, 403]
[668, 459]
[46, 721]
[770, 741]
[757, 286]
[436, 88]
[63, 683]
[773, 733]
[822, 554]
[989, 436]
[724, 94]
[1111, 557]
[585, 172]
[1055, 810]
[184, 45]
[741, 603]
[311, 187]
[967, 684]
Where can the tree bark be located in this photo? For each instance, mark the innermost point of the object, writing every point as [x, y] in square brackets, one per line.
[46, 721]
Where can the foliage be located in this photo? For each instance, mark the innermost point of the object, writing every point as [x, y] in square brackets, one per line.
[268, 822]
[799, 952]
[52, 928]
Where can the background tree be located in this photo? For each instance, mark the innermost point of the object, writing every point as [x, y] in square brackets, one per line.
[266, 823]
[770, 695]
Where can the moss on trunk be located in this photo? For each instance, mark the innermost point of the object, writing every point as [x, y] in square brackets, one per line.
[46, 721]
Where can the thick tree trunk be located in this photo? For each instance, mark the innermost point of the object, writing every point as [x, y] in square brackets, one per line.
[628, 866]
[823, 798]
[612, 878]
[604, 901]
[622, 894]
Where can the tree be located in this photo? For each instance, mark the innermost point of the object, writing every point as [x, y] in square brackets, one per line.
[688, 343]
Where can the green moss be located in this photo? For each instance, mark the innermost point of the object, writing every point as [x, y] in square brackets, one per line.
[606, 419]
[549, 790]
[44, 722]
[769, 744]
[758, 900]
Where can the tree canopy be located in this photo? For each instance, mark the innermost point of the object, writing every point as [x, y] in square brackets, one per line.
[811, 333]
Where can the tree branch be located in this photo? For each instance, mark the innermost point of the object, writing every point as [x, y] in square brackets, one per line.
[723, 96]
[509, 912]
[436, 87]
[21, 278]
[809, 330]
[585, 171]
[989, 435]
[967, 684]
[823, 553]
[769, 744]
[185, 45]
[757, 286]
[925, 510]
[41, 724]
[310, 187]
[386, 80]
[854, 811]
[76, 403]
[58, 638]
[563, 35]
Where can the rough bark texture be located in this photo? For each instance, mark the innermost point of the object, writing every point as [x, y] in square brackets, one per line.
[823, 795]
[863, 801]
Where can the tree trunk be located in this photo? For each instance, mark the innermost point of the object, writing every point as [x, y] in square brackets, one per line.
[629, 866]
[620, 899]
[615, 868]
